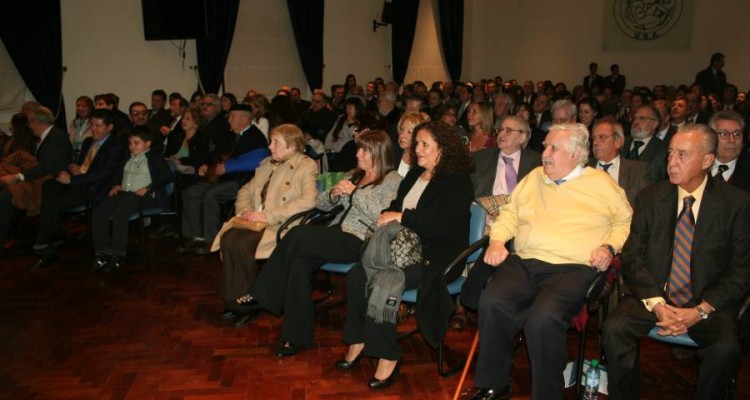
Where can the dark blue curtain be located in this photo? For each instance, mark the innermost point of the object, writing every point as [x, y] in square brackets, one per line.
[451, 17]
[32, 34]
[402, 36]
[213, 49]
[307, 22]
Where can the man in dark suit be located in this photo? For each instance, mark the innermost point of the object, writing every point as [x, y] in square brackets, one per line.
[732, 164]
[686, 266]
[201, 202]
[463, 96]
[593, 79]
[642, 145]
[713, 79]
[492, 173]
[665, 130]
[88, 179]
[53, 153]
[695, 115]
[158, 116]
[215, 126]
[631, 176]
[614, 80]
[300, 104]
[319, 119]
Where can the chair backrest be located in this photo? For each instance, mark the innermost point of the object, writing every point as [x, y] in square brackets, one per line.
[476, 229]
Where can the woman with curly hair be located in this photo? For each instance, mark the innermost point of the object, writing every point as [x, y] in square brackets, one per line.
[433, 201]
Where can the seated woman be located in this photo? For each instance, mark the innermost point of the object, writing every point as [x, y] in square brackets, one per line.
[17, 152]
[284, 184]
[481, 132]
[433, 201]
[284, 285]
[80, 127]
[406, 126]
[342, 133]
[188, 148]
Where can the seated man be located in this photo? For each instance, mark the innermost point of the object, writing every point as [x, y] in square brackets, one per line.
[23, 190]
[201, 202]
[568, 221]
[87, 179]
[499, 169]
[681, 285]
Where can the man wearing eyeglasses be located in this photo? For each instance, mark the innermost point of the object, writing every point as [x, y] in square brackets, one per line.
[686, 266]
[731, 164]
[630, 175]
[642, 145]
[216, 127]
[499, 169]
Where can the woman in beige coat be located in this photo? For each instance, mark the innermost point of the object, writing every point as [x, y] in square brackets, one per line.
[284, 184]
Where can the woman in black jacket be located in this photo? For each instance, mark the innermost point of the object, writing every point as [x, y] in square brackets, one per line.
[433, 200]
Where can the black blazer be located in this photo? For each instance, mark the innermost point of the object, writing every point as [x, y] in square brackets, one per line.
[741, 175]
[633, 177]
[109, 158]
[483, 177]
[720, 256]
[197, 145]
[654, 154]
[441, 219]
[250, 139]
[53, 155]
[159, 118]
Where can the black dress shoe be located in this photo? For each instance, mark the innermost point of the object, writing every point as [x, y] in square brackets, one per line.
[228, 313]
[492, 394]
[343, 364]
[100, 261]
[287, 349]
[377, 384]
[244, 319]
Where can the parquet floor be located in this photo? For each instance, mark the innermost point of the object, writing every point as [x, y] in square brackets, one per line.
[143, 334]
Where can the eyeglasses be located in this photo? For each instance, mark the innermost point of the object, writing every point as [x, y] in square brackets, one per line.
[643, 118]
[138, 113]
[507, 130]
[599, 138]
[725, 135]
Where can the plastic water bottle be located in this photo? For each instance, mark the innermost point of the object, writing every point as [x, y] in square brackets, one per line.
[591, 390]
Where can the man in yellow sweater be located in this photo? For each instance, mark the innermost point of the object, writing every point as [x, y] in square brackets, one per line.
[568, 221]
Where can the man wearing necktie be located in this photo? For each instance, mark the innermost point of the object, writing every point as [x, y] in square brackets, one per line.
[498, 170]
[567, 222]
[630, 175]
[643, 145]
[686, 266]
[732, 164]
[85, 181]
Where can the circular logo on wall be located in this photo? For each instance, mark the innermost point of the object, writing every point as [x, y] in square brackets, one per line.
[647, 19]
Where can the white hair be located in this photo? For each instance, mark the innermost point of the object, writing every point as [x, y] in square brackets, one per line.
[578, 140]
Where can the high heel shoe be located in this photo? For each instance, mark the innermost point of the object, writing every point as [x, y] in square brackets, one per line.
[376, 383]
[343, 364]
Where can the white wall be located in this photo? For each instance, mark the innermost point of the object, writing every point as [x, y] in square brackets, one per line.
[104, 50]
[556, 39]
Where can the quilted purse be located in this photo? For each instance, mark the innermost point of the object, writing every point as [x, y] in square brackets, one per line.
[406, 248]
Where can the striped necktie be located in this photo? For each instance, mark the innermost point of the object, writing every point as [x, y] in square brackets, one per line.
[680, 290]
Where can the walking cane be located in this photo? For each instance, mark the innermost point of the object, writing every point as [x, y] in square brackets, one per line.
[467, 365]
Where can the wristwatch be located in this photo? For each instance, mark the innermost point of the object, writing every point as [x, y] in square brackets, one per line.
[702, 313]
[609, 248]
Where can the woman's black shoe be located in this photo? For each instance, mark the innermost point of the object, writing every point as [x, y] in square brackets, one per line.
[343, 364]
[287, 349]
[382, 384]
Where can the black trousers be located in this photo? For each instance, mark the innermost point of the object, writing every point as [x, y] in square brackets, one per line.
[284, 285]
[6, 215]
[56, 199]
[718, 349]
[116, 209]
[541, 298]
[381, 340]
[239, 268]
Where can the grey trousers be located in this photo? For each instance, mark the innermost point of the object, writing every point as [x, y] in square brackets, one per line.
[201, 208]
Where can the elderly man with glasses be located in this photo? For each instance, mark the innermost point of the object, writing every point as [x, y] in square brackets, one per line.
[643, 145]
[731, 164]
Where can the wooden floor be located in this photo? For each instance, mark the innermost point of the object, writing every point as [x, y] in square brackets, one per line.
[143, 334]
